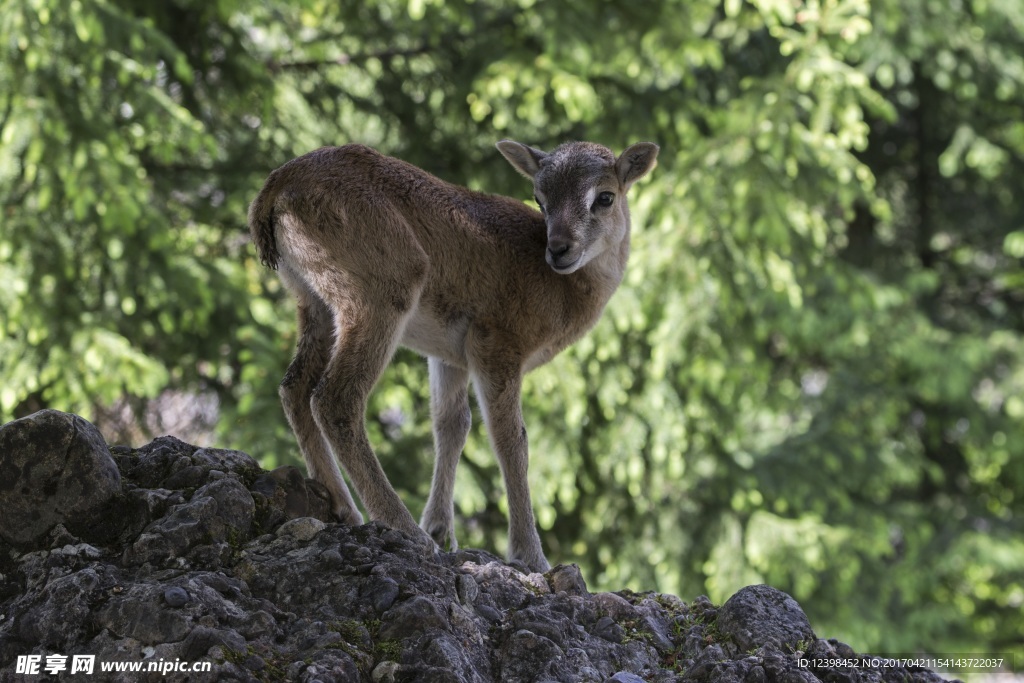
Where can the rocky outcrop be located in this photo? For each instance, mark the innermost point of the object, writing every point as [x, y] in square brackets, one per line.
[171, 554]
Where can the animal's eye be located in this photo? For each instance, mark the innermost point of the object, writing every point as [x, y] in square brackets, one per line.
[539, 203]
[604, 199]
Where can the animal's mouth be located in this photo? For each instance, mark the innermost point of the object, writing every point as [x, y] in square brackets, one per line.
[563, 266]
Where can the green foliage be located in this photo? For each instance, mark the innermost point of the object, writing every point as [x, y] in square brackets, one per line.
[812, 375]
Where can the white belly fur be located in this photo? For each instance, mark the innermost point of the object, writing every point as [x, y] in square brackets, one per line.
[425, 334]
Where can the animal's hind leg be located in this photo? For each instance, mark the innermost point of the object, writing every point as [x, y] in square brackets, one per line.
[316, 337]
[366, 340]
[371, 304]
[449, 406]
[370, 275]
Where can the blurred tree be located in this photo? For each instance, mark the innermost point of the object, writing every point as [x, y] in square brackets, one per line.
[812, 375]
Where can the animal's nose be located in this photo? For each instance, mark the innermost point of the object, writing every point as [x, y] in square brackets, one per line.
[558, 247]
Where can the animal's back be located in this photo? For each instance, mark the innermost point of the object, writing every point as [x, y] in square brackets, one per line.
[484, 252]
[362, 186]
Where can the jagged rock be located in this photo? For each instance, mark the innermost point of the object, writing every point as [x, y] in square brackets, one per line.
[196, 554]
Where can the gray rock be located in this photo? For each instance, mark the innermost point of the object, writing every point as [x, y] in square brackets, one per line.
[758, 615]
[218, 514]
[301, 528]
[80, 550]
[529, 657]
[488, 613]
[625, 677]
[609, 630]
[706, 661]
[413, 617]
[60, 614]
[201, 639]
[467, 589]
[284, 493]
[224, 460]
[615, 606]
[140, 614]
[656, 623]
[567, 578]
[54, 468]
[385, 672]
[382, 594]
[176, 596]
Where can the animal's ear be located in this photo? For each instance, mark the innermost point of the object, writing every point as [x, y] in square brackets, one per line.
[635, 162]
[524, 159]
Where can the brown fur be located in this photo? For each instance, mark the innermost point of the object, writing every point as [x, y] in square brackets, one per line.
[381, 253]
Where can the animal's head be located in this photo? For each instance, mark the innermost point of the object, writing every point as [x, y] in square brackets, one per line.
[581, 189]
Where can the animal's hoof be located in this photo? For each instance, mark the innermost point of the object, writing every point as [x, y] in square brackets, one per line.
[425, 543]
[443, 536]
[536, 563]
[349, 517]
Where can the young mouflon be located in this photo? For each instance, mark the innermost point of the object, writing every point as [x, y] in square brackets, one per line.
[380, 253]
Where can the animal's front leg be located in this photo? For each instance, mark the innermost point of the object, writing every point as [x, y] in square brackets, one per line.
[499, 395]
[449, 406]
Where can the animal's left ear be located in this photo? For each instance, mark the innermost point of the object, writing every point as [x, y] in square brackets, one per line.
[635, 162]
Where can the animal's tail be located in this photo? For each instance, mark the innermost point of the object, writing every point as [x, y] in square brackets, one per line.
[261, 222]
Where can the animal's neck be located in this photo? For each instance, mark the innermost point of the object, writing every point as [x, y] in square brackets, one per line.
[606, 271]
[596, 282]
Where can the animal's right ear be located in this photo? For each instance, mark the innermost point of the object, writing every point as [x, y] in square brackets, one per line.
[524, 159]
